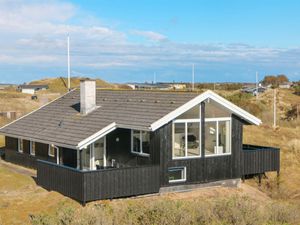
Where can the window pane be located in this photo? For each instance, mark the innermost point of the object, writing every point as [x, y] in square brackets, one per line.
[193, 113]
[224, 137]
[146, 142]
[136, 141]
[210, 138]
[32, 148]
[179, 140]
[86, 157]
[20, 145]
[51, 150]
[176, 174]
[214, 109]
[193, 139]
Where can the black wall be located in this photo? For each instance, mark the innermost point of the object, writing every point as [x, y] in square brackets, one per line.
[67, 156]
[121, 150]
[204, 169]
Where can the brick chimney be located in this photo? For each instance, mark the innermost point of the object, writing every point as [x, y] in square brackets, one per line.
[87, 96]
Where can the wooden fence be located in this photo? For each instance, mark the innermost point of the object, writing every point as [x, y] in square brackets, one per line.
[85, 186]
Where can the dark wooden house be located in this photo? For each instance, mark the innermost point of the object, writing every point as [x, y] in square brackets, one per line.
[100, 144]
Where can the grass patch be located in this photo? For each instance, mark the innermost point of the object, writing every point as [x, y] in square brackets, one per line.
[231, 210]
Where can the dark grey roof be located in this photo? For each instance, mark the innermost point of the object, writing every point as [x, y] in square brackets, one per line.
[61, 123]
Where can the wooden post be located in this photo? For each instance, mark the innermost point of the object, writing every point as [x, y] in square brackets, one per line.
[259, 179]
[274, 110]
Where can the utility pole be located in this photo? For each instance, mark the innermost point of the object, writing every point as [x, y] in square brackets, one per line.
[256, 86]
[69, 72]
[193, 77]
[274, 109]
[154, 78]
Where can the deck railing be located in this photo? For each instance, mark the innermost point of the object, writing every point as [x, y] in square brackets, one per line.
[259, 159]
[85, 186]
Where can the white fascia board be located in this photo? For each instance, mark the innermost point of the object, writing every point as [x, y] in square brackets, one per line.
[197, 100]
[101, 133]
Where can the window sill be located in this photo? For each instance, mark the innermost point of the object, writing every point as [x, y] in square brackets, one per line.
[186, 157]
[141, 154]
[215, 155]
[177, 181]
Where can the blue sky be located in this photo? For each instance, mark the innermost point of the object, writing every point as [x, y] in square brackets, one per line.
[127, 41]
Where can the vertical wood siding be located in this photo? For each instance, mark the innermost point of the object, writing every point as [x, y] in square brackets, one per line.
[204, 169]
[258, 159]
[87, 186]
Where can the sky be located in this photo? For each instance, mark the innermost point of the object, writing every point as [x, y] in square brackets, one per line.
[130, 41]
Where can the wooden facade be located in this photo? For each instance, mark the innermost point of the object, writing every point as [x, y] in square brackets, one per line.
[85, 186]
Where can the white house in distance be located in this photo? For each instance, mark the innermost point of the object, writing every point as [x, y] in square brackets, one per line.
[31, 89]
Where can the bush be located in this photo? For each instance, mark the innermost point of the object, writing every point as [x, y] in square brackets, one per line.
[232, 210]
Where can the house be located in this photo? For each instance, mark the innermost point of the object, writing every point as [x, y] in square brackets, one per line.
[253, 90]
[286, 85]
[31, 89]
[101, 144]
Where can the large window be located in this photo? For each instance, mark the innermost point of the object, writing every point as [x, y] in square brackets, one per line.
[32, 148]
[186, 134]
[140, 142]
[20, 145]
[177, 174]
[217, 136]
[186, 139]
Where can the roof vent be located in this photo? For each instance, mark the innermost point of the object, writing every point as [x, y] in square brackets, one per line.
[172, 102]
[156, 101]
[87, 96]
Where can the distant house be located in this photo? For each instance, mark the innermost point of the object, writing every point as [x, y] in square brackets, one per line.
[31, 89]
[286, 85]
[253, 90]
[101, 144]
[157, 86]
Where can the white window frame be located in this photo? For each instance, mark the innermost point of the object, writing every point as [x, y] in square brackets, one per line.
[141, 153]
[217, 120]
[31, 152]
[49, 154]
[183, 179]
[186, 121]
[20, 140]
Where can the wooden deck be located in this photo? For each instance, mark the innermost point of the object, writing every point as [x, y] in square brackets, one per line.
[85, 186]
[259, 159]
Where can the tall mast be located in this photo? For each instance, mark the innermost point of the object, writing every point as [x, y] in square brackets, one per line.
[69, 72]
[193, 77]
[256, 85]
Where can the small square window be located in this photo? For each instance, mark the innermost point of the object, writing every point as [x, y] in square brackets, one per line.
[177, 174]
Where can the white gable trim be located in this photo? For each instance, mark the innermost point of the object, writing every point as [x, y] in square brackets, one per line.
[200, 98]
[101, 133]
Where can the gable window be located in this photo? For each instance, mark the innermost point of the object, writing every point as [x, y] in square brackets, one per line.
[140, 142]
[186, 139]
[177, 174]
[32, 148]
[51, 150]
[217, 136]
[20, 145]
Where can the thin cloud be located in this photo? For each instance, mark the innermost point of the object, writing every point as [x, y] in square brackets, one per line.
[150, 35]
